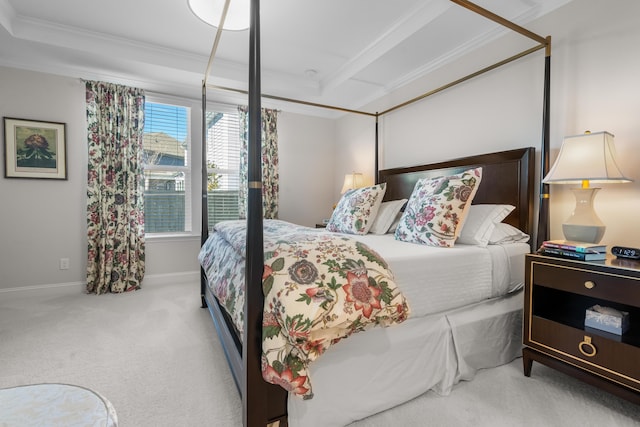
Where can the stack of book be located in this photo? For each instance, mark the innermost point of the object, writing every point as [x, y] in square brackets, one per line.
[573, 250]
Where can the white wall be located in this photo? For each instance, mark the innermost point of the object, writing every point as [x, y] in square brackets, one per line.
[44, 220]
[594, 86]
[306, 153]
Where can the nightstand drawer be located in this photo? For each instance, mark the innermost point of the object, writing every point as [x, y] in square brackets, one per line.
[600, 355]
[613, 287]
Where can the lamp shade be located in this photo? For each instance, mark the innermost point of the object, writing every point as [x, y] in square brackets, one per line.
[588, 157]
[352, 181]
[210, 12]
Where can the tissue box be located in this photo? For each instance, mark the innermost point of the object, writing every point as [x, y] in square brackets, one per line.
[606, 322]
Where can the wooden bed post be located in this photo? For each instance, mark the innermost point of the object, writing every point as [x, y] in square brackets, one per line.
[377, 154]
[254, 402]
[257, 395]
[204, 232]
[543, 210]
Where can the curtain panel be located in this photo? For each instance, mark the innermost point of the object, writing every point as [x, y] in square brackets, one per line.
[115, 188]
[270, 176]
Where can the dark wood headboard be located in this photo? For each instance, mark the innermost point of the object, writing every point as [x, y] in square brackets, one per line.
[507, 178]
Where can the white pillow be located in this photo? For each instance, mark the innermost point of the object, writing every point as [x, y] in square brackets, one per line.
[395, 223]
[504, 233]
[480, 222]
[387, 213]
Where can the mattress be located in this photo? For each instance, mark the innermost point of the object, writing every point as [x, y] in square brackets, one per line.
[435, 279]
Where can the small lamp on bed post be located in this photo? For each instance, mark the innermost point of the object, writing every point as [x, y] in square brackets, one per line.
[585, 158]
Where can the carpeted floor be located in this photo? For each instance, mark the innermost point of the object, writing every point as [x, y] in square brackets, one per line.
[155, 355]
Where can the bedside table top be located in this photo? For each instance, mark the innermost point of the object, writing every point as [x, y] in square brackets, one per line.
[610, 262]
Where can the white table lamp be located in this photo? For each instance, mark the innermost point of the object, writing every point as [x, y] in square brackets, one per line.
[583, 159]
[352, 181]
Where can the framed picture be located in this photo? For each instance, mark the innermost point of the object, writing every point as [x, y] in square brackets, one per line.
[34, 149]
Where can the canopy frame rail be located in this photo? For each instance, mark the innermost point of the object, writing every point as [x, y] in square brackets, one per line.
[402, 104]
[465, 78]
[543, 43]
[296, 101]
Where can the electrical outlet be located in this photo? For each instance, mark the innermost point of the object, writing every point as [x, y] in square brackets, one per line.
[64, 263]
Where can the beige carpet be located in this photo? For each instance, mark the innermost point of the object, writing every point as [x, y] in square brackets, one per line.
[154, 354]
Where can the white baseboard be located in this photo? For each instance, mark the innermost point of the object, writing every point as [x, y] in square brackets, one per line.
[57, 287]
[149, 279]
[171, 278]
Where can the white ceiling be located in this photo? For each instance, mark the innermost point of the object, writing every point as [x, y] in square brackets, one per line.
[337, 52]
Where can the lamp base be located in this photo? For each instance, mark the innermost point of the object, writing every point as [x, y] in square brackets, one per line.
[584, 225]
[583, 233]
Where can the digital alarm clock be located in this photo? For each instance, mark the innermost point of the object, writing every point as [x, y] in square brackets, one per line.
[624, 252]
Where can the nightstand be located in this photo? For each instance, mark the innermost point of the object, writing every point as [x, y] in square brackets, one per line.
[557, 294]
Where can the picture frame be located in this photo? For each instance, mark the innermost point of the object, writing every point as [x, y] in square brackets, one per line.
[34, 149]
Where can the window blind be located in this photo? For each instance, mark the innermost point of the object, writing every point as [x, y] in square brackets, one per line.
[167, 168]
[223, 162]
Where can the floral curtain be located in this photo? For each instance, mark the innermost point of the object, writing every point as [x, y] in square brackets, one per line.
[115, 215]
[270, 176]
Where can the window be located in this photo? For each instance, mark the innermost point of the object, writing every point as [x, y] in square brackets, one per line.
[223, 163]
[167, 169]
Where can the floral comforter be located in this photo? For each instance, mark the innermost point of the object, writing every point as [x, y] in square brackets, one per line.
[319, 288]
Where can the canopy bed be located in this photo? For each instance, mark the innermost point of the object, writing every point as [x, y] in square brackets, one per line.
[438, 342]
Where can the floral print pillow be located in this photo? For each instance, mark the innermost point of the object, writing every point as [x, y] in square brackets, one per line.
[437, 207]
[356, 210]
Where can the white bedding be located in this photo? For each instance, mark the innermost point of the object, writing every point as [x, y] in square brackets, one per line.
[452, 277]
[385, 367]
[466, 314]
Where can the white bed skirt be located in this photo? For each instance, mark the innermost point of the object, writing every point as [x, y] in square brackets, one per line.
[384, 367]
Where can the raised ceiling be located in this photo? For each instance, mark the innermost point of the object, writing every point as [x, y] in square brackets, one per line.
[336, 52]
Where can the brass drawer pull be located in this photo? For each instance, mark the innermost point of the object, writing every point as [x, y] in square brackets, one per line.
[589, 284]
[587, 343]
